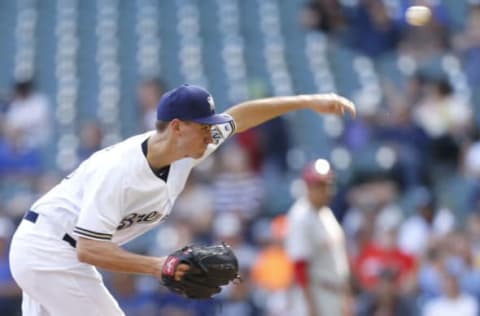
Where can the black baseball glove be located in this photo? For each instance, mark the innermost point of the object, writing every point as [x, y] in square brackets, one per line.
[210, 267]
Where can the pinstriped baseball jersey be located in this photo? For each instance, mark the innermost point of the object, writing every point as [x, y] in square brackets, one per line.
[114, 195]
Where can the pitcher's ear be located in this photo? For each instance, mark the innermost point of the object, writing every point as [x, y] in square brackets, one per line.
[175, 125]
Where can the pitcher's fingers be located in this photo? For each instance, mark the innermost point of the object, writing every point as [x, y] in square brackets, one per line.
[350, 107]
[183, 267]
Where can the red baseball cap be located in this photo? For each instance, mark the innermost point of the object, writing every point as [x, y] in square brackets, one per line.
[317, 171]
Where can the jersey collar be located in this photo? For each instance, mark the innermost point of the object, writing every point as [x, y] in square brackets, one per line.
[161, 173]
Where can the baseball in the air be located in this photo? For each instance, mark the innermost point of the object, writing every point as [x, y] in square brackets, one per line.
[418, 15]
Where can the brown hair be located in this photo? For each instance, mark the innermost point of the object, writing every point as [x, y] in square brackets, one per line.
[161, 125]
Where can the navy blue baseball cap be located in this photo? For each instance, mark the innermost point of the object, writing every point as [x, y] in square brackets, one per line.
[189, 103]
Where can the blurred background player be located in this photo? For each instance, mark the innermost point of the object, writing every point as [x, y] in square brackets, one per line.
[315, 242]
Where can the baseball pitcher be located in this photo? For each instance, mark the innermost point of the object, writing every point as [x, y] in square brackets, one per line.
[125, 190]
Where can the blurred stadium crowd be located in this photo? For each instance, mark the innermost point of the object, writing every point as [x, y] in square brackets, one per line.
[408, 168]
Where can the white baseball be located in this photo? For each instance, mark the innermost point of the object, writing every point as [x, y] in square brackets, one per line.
[418, 15]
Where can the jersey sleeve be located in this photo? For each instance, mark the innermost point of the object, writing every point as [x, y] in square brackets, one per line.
[220, 133]
[101, 208]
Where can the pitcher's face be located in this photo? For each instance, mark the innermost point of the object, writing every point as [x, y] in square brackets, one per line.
[194, 138]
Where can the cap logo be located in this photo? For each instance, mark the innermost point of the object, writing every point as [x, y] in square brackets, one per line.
[212, 104]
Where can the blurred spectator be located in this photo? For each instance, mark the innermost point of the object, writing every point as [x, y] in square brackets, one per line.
[16, 159]
[238, 299]
[236, 187]
[323, 15]
[372, 199]
[468, 43]
[18, 200]
[403, 134]
[453, 302]
[149, 93]
[359, 134]
[229, 228]
[3, 109]
[471, 169]
[29, 116]
[429, 222]
[3, 103]
[174, 305]
[168, 237]
[471, 163]
[473, 231]
[45, 183]
[195, 206]
[266, 145]
[132, 301]
[446, 118]
[385, 299]
[372, 31]
[272, 270]
[461, 258]
[251, 142]
[380, 254]
[10, 293]
[468, 47]
[91, 139]
[430, 273]
[316, 244]
[275, 138]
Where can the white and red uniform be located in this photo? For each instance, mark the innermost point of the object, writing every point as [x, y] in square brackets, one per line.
[112, 196]
[315, 238]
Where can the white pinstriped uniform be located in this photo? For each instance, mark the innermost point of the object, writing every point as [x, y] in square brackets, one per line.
[113, 196]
